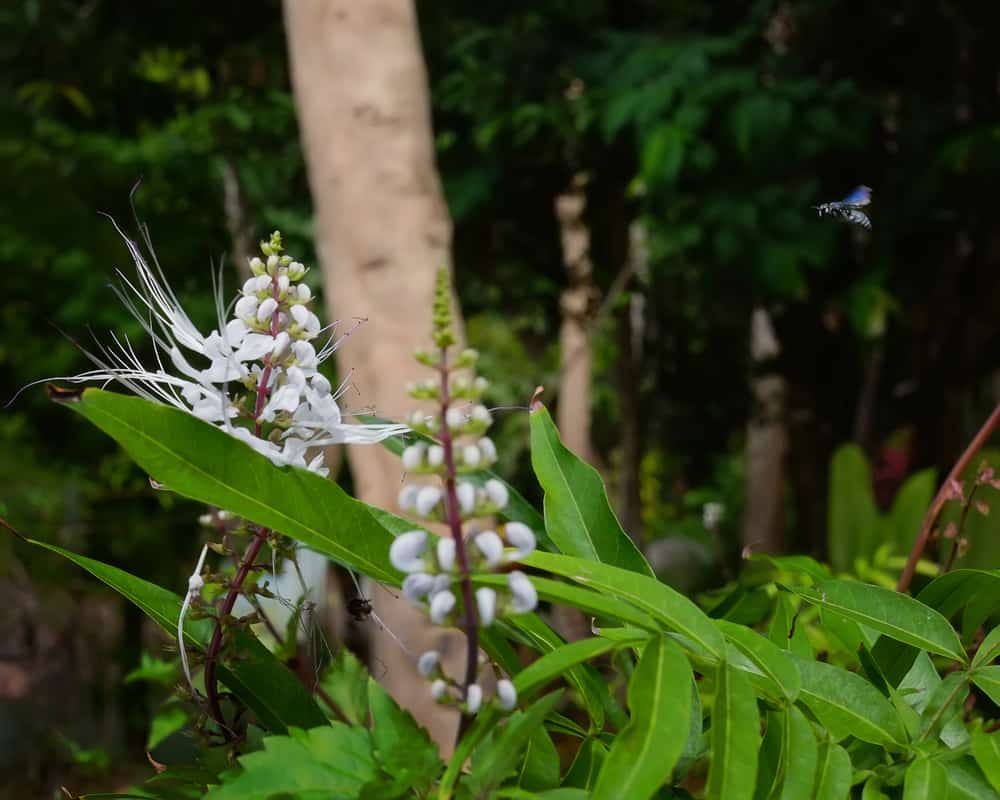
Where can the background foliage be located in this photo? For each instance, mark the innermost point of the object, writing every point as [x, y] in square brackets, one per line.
[717, 124]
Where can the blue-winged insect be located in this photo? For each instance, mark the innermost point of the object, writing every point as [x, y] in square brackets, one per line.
[849, 209]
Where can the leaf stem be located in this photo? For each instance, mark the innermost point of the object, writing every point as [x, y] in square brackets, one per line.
[942, 496]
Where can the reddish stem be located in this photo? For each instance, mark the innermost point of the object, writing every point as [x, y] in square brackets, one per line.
[453, 518]
[942, 497]
[249, 557]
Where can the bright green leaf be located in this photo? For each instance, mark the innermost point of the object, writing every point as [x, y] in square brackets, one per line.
[645, 752]
[986, 751]
[401, 747]
[774, 662]
[801, 757]
[988, 679]
[925, 780]
[735, 737]
[833, 772]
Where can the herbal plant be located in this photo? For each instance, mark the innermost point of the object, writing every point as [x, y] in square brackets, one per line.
[792, 683]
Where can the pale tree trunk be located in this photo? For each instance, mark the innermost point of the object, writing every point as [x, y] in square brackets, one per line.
[767, 442]
[382, 231]
[578, 306]
[238, 221]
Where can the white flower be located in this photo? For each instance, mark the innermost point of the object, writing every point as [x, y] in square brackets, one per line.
[473, 697]
[406, 551]
[428, 662]
[488, 449]
[523, 597]
[712, 514]
[481, 415]
[435, 455]
[521, 536]
[438, 688]
[456, 418]
[486, 603]
[413, 456]
[258, 340]
[491, 546]
[417, 585]
[442, 581]
[471, 455]
[408, 496]
[506, 694]
[446, 554]
[427, 498]
[497, 493]
[441, 606]
[466, 497]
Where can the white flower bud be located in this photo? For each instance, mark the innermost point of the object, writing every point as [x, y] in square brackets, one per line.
[481, 414]
[491, 546]
[466, 497]
[407, 495]
[304, 293]
[523, 597]
[506, 694]
[266, 309]
[471, 455]
[435, 455]
[256, 265]
[206, 520]
[281, 344]
[488, 450]
[428, 662]
[272, 263]
[417, 585]
[522, 537]
[456, 417]
[446, 554]
[496, 492]
[486, 602]
[296, 270]
[406, 550]
[282, 284]
[263, 284]
[442, 581]
[473, 698]
[438, 688]
[481, 384]
[441, 606]
[427, 498]
[413, 456]
[246, 306]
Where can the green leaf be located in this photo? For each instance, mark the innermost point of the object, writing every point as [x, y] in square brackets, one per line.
[945, 702]
[586, 766]
[908, 508]
[346, 683]
[498, 758]
[784, 631]
[801, 757]
[658, 600]
[848, 705]
[334, 761]
[167, 721]
[833, 772]
[988, 679]
[986, 751]
[199, 461]
[967, 782]
[645, 752]
[774, 662]
[896, 615]
[273, 691]
[402, 748]
[771, 761]
[554, 664]
[988, 650]
[949, 593]
[735, 737]
[853, 519]
[925, 780]
[578, 516]
[540, 769]
[155, 670]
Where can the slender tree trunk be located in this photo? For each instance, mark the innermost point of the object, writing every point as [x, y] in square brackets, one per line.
[767, 442]
[238, 221]
[382, 231]
[578, 306]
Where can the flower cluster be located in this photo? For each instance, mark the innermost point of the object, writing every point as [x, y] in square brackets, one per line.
[446, 489]
[265, 349]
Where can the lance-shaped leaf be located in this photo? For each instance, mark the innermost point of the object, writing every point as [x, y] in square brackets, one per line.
[986, 750]
[735, 737]
[988, 679]
[199, 461]
[275, 694]
[578, 516]
[645, 752]
[925, 779]
[896, 615]
[800, 758]
[772, 661]
[833, 772]
[848, 705]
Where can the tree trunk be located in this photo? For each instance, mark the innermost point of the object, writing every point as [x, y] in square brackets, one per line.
[578, 306]
[767, 441]
[382, 231]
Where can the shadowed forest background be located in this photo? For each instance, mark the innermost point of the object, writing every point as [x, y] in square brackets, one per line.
[629, 186]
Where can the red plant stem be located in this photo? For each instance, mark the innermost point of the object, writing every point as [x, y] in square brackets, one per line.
[942, 496]
[249, 557]
[453, 517]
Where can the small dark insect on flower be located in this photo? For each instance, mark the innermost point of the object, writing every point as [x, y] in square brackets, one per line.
[360, 608]
[849, 209]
